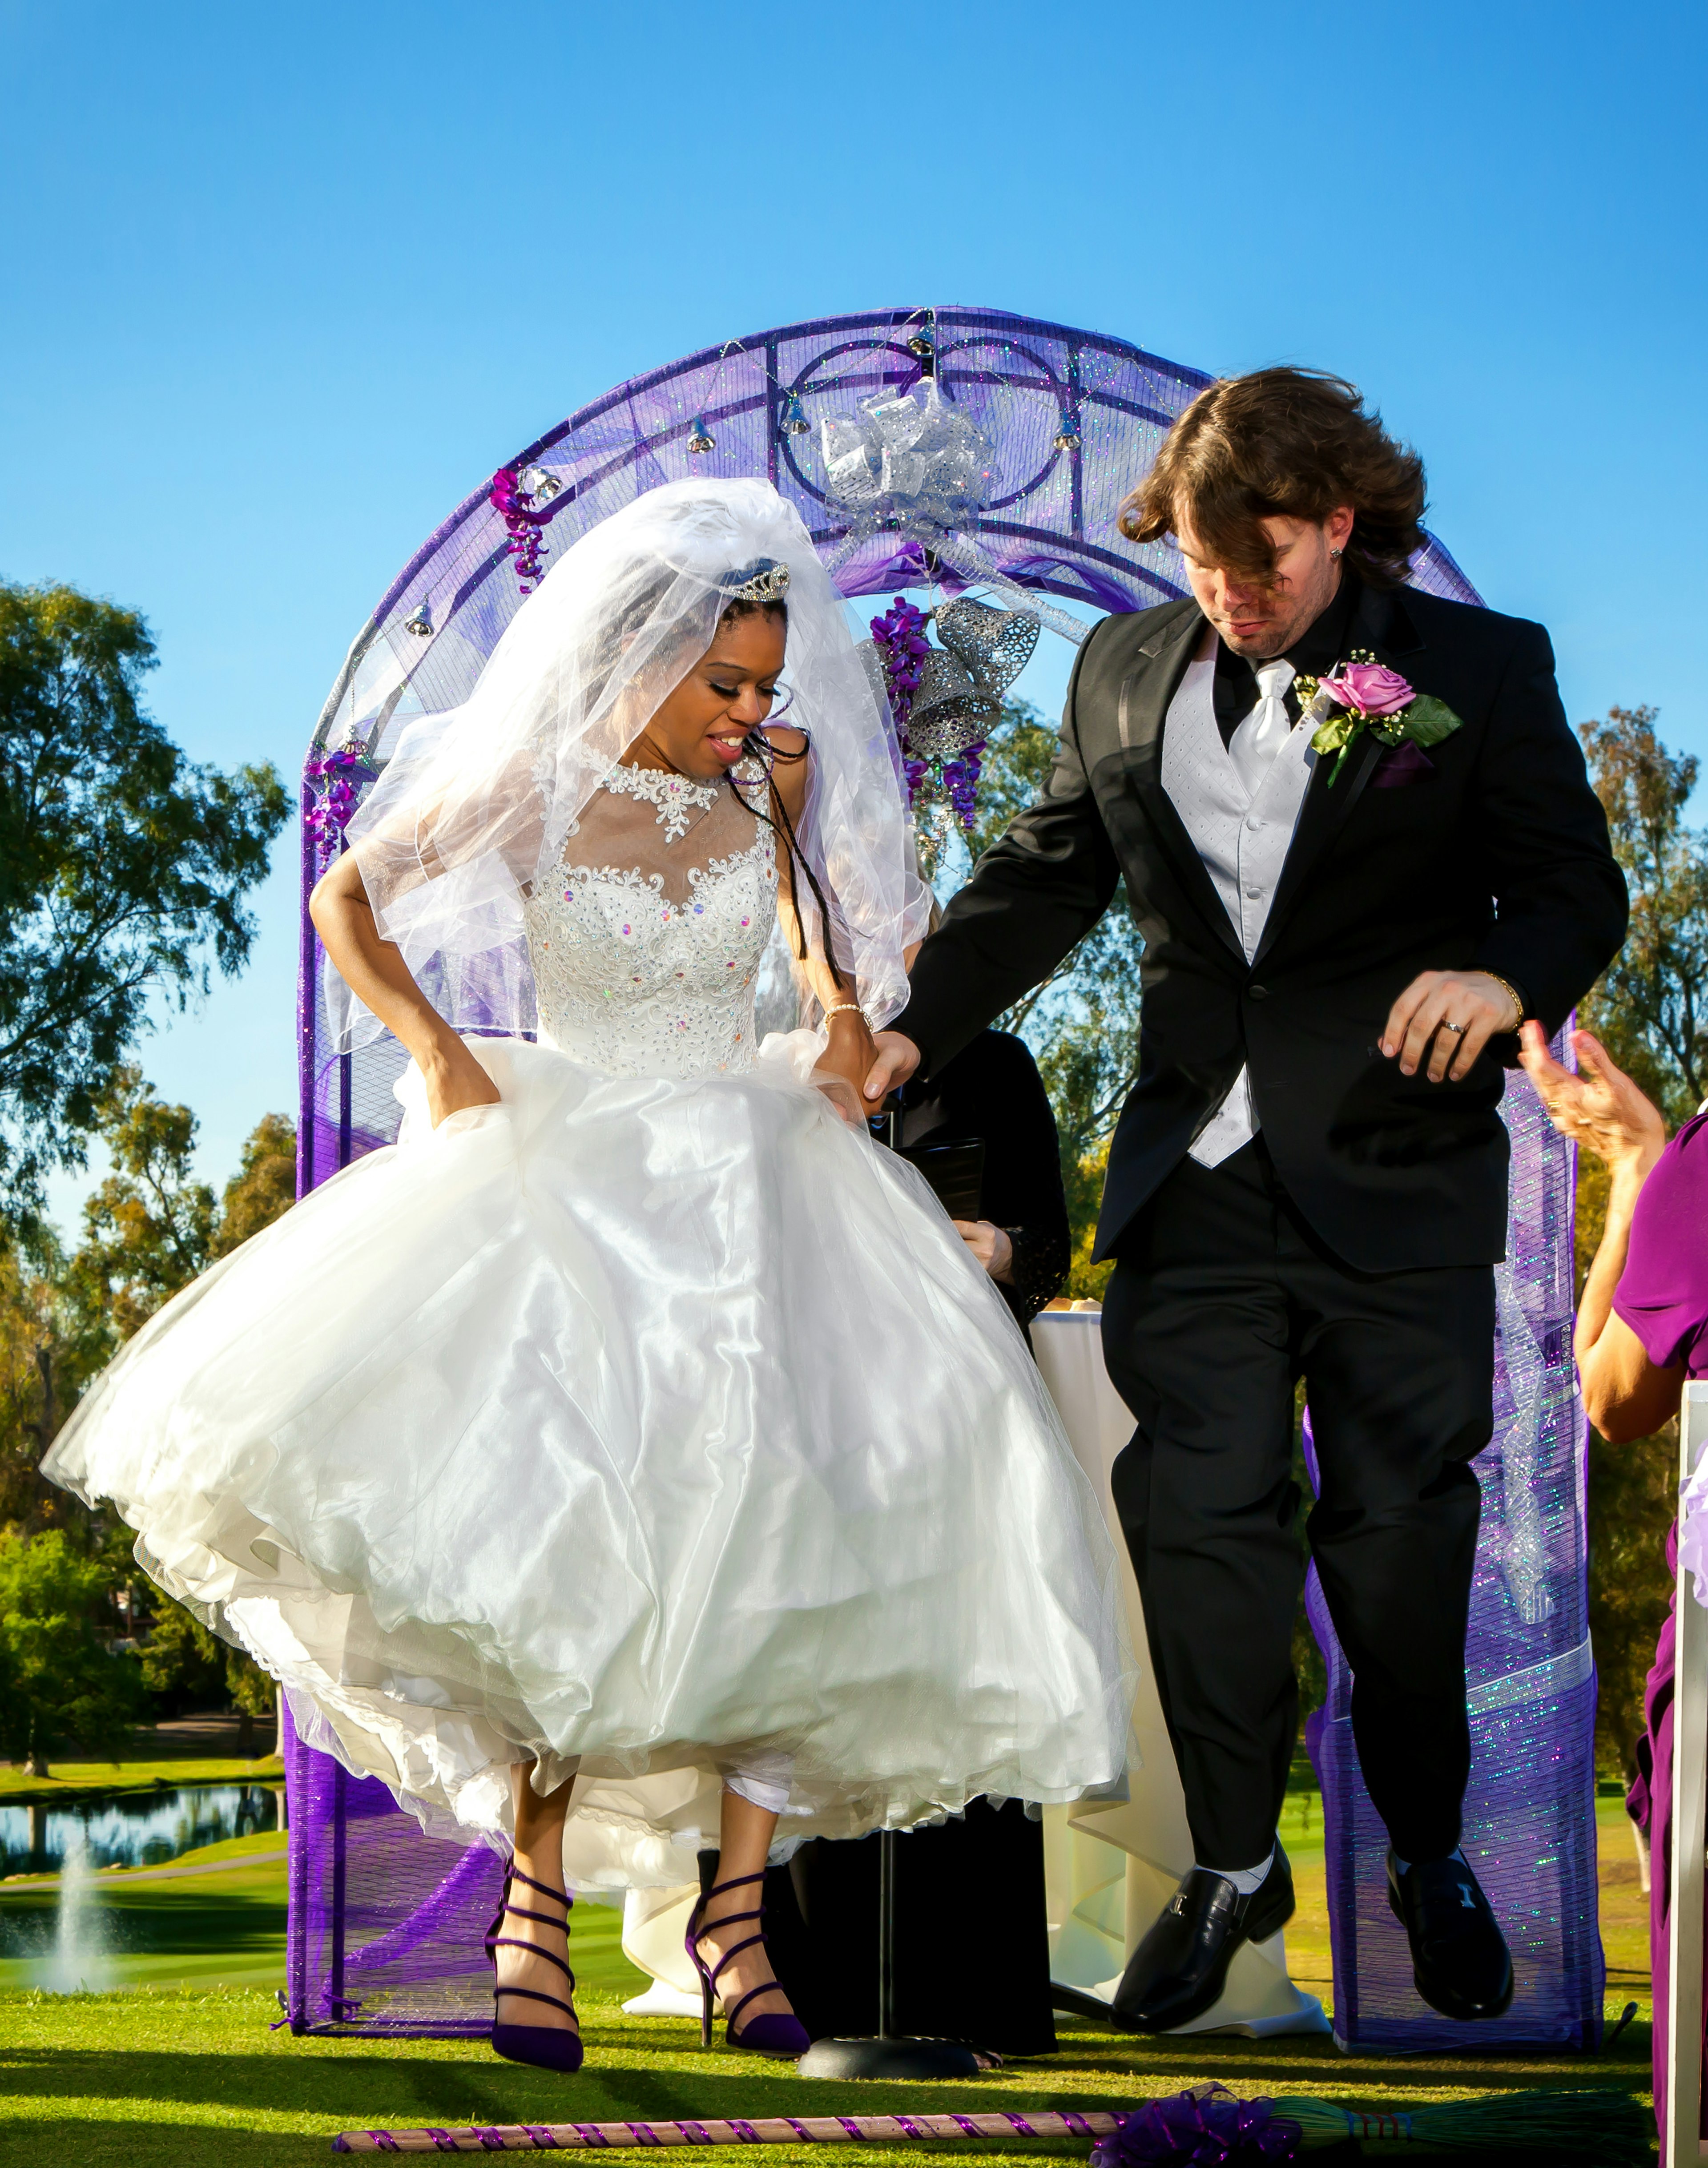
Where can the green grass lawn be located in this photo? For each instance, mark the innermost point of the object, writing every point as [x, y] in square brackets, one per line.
[178, 2066]
[71, 1780]
[197, 2081]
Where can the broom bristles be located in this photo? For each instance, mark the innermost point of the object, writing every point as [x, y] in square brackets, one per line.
[1605, 2126]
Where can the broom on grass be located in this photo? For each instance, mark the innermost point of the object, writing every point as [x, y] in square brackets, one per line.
[1208, 2123]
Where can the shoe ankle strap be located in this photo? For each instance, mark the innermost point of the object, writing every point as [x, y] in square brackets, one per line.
[736, 1882]
[514, 1873]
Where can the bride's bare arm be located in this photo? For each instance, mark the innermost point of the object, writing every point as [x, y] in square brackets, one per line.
[374, 969]
[851, 1052]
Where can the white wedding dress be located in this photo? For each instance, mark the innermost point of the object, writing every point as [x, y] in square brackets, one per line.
[654, 1419]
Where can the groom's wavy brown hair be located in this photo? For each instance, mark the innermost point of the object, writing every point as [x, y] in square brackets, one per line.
[1296, 442]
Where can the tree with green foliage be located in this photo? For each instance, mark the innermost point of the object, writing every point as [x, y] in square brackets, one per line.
[59, 1676]
[122, 868]
[1650, 1010]
[264, 1187]
[148, 1230]
[185, 1666]
[1082, 1023]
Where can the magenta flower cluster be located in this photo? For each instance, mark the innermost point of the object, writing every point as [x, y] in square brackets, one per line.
[523, 522]
[1207, 2127]
[900, 637]
[335, 781]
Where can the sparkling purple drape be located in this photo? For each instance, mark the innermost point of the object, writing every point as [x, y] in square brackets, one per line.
[1529, 1810]
[384, 1922]
[384, 1925]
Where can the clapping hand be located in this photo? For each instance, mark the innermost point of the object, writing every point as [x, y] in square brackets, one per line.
[1599, 1107]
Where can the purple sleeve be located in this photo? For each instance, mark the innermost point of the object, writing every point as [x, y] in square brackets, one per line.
[1662, 1293]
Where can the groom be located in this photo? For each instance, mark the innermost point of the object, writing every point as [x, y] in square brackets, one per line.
[1309, 1179]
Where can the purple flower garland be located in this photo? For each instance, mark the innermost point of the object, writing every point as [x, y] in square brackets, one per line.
[900, 637]
[1207, 2127]
[515, 507]
[961, 781]
[336, 778]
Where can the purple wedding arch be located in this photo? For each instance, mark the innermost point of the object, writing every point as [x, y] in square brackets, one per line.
[969, 447]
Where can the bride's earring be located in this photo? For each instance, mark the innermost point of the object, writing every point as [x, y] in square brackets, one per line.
[1335, 552]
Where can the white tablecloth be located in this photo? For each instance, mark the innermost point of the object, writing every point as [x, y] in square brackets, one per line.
[1110, 1868]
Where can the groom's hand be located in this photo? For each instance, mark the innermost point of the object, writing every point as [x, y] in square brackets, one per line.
[1462, 1010]
[898, 1058]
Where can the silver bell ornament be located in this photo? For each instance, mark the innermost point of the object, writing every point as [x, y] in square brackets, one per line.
[700, 438]
[1066, 437]
[795, 422]
[541, 484]
[419, 621]
[982, 651]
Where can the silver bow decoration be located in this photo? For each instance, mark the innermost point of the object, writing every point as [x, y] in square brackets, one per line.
[911, 463]
[959, 697]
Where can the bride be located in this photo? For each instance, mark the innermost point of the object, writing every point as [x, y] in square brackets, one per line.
[634, 1428]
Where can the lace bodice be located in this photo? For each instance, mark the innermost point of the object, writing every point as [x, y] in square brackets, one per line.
[646, 941]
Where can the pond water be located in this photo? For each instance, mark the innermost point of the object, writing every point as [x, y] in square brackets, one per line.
[142, 1829]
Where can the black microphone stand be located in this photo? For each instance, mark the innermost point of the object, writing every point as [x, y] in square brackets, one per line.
[890, 2054]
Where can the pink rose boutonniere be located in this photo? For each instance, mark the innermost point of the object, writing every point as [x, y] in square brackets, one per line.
[1364, 695]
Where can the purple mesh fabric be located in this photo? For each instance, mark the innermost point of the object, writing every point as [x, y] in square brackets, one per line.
[1529, 1809]
[384, 1925]
[384, 1922]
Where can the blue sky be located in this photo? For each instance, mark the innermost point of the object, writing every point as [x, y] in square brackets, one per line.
[280, 286]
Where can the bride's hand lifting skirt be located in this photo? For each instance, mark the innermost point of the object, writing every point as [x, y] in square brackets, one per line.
[657, 1426]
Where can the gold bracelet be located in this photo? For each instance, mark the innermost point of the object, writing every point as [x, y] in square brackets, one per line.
[844, 1008]
[1511, 992]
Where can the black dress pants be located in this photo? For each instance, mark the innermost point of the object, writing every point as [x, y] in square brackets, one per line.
[1221, 1300]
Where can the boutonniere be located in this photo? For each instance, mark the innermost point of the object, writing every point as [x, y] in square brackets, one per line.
[1364, 695]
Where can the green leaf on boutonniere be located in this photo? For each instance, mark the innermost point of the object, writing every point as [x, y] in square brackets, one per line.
[1428, 721]
[1338, 732]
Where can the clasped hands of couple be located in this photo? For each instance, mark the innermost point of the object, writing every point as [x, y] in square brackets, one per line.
[1458, 1010]
[1444, 1019]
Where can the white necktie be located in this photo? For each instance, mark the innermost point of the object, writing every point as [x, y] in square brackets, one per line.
[1254, 746]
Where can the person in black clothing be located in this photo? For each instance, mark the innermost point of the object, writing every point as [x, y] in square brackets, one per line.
[992, 1090]
[972, 1956]
[1309, 1179]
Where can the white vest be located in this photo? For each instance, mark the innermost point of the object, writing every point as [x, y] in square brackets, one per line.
[1242, 840]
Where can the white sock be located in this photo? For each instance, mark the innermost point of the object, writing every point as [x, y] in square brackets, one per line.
[1247, 1880]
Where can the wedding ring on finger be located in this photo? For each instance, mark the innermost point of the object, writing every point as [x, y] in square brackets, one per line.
[1445, 1026]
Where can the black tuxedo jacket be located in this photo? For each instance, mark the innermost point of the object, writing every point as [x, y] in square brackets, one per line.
[1493, 856]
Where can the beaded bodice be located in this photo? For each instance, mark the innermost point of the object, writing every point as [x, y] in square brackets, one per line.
[646, 940]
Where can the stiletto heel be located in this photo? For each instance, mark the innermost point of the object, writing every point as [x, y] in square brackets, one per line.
[544, 2046]
[774, 2032]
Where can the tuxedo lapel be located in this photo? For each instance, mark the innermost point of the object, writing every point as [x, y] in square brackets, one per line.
[1142, 710]
[1381, 624]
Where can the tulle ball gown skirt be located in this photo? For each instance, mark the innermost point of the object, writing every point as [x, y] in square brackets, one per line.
[658, 1426]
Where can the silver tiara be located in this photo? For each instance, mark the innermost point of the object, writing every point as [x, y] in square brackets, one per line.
[767, 582]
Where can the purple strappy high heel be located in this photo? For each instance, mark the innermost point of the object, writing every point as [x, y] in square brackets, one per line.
[773, 2032]
[542, 2045]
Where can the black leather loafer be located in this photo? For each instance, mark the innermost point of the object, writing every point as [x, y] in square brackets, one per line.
[1460, 1959]
[1180, 1969]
